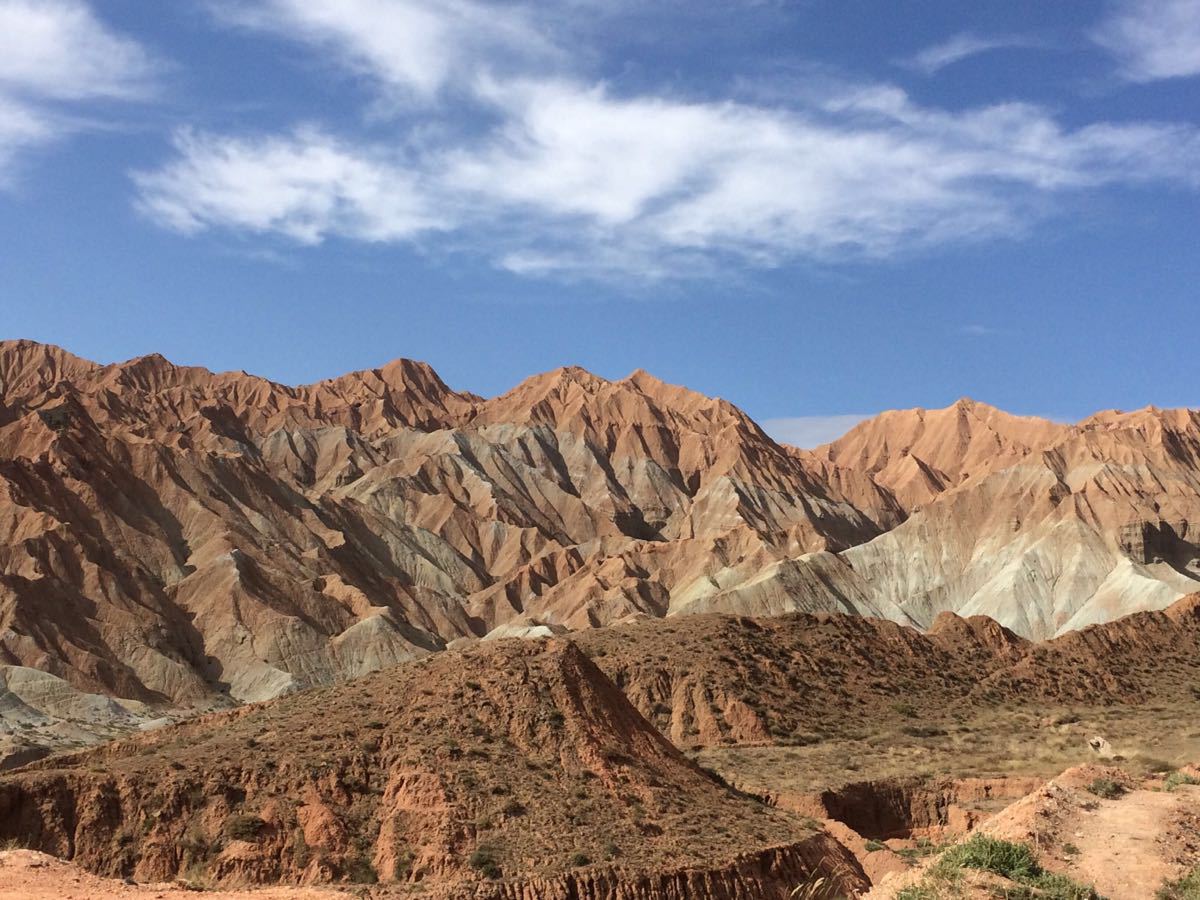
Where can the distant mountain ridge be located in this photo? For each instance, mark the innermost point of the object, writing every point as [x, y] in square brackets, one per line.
[172, 535]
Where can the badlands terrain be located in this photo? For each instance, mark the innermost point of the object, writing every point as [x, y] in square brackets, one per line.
[833, 753]
[586, 639]
[174, 536]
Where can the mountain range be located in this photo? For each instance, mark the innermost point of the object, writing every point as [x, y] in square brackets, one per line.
[178, 538]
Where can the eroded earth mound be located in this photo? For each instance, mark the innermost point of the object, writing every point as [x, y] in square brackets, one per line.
[712, 680]
[514, 769]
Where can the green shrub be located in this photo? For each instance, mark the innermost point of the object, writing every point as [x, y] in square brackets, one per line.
[1015, 862]
[359, 870]
[580, 859]
[483, 860]
[872, 846]
[1175, 779]
[1185, 888]
[244, 827]
[1106, 788]
[301, 853]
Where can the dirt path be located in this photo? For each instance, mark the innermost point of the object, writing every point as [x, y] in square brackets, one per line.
[28, 875]
[1123, 843]
[1126, 847]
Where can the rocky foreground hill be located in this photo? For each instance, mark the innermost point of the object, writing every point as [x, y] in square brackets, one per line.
[173, 537]
[511, 770]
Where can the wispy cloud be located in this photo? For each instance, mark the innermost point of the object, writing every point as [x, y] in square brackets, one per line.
[306, 186]
[807, 432]
[962, 46]
[54, 55]
[21, 128]
[977, 330]
[577, 178]
[417, 46]
[59, 49]
[1153, 39]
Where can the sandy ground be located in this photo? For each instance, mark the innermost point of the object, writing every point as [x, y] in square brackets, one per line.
[1125, 847]
[29, 875]
[1128, 846]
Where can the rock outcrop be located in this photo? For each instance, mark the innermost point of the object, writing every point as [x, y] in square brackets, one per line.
[1042, 527]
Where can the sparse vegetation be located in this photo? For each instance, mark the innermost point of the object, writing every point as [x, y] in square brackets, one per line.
[815, 887]
[1106, 788]
[1185, 888]
[922, 731]
[483, 860]
[244, 827]
[1009, 860]
[1175, 779]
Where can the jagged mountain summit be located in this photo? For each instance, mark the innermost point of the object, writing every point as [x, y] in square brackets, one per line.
[175, 536]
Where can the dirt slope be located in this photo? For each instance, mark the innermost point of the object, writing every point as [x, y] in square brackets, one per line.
[711, 680]
[516, 766]
[29, 875]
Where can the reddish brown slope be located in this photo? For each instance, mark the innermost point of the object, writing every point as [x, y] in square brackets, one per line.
[710, 680]
[517, 770]
[917, 454]
[173, 534]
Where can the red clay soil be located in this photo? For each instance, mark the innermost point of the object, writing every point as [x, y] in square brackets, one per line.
[511, 769]
[29, 875]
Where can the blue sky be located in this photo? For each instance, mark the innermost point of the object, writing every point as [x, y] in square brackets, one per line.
[817, 209]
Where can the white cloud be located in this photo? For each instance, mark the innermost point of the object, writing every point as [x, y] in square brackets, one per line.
[976, 330]
[59, 49]
[959, 47]
[55, 54]
[808, 432]
[576, 178]
[415, 45]
[1153, 39]
[865, 172]
[306, 186]
[20, 129]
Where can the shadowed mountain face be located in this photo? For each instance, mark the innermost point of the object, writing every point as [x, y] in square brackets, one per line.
[174, 535]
